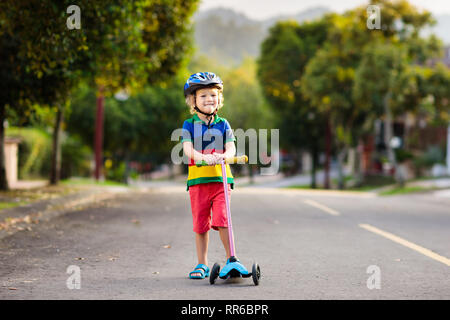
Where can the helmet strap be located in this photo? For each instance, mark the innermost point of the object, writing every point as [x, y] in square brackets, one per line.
[211, 115]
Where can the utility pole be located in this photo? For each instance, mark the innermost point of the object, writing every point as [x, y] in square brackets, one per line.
[98, 143]
[55, 173]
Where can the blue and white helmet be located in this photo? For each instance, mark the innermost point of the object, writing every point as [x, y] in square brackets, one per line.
[201, 79]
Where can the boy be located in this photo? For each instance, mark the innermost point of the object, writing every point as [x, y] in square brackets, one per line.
[207, 137]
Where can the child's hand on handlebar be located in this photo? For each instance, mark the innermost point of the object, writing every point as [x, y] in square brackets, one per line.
[219, 157]
[210, 159]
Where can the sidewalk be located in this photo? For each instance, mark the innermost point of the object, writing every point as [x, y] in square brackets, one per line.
[259, 181]
[25, 184]
[23, 217]
[280, 181]
[443, 184]
[432, 183]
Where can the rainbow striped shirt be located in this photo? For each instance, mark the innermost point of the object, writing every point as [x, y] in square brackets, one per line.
[207, 140]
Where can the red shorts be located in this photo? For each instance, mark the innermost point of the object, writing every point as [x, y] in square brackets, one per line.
[207, 199]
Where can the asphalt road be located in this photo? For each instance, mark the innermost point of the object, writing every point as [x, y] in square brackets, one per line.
[309, 246]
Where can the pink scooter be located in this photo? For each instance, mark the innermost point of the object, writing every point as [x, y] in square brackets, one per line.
[233, 268]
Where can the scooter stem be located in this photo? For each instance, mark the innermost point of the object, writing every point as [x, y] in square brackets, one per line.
[227, 203]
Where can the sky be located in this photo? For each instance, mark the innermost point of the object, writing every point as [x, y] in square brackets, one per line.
[262, 9]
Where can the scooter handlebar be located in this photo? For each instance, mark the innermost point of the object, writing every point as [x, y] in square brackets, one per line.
[232, 160]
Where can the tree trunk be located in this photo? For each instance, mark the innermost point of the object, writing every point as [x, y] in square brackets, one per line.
[55, 172]
[314, 155]
[3, 179]
[357, 164]
[98, 143]
[388, 133]
[340, 159]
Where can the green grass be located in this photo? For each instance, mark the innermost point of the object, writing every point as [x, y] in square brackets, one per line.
[404, 190]
[307, 187]
[363, 188]
[297, 186]
[90, 181]
[370, 183]
[16, 198]
[7, 205]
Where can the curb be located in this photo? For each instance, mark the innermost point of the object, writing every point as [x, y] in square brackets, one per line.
[291, 191]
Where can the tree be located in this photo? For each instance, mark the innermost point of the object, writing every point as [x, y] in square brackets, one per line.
[389, 79]
[246, 109]
[121, 44]
[165, 41]
[376, 77]
[328, 81]
[437, 84]
[50, 67]
[21, 88]
[136, 128]
[329, 78]
[284, 55]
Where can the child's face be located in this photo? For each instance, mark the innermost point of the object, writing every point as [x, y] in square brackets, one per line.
[207, 99]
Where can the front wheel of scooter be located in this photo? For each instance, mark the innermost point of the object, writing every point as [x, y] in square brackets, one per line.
[214, 273]
[256, 273]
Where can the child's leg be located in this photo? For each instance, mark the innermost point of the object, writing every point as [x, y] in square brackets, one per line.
[201, 215]
[224, 237]
[201, 242]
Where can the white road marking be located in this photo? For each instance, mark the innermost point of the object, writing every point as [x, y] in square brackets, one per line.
[322, 207]
[407, 244]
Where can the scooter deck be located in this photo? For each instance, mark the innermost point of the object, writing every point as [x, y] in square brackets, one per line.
[234, 270]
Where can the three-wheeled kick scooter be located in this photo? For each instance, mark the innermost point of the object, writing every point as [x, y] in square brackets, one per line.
[233, 268]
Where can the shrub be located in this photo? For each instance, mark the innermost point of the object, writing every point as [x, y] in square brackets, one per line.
[34, 152]
[433, 155]
[403, 155]
[116, 172]
[76, 158]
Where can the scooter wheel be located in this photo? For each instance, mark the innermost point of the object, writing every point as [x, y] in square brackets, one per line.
[256, 273]
[214, 273]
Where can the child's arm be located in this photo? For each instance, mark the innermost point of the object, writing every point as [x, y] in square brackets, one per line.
[230, 148]
[230, 151]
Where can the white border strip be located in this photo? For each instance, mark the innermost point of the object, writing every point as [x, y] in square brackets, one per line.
[321, 207]
[407, 244]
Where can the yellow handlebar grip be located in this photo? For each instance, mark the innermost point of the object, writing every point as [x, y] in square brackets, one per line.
[239, 159]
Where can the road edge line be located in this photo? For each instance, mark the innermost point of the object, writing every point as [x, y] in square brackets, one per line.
[406, 243]
[322, 207]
